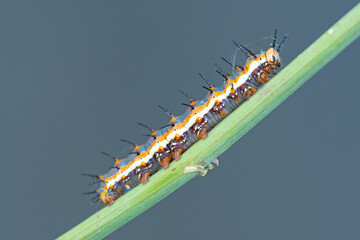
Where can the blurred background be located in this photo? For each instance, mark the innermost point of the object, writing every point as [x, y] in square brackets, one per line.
[76, 76]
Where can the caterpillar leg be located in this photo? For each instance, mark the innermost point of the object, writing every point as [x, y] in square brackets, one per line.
[200, 128]
[165, 162]
[202, 134]
[177, 153]
[144, 177]
[202, 168]
[247, 90]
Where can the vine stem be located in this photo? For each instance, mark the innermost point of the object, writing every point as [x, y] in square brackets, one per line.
[164, 182]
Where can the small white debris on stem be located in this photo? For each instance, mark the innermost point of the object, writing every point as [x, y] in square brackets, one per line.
[202, 168]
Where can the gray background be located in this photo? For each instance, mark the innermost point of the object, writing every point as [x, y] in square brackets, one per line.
[76, 76]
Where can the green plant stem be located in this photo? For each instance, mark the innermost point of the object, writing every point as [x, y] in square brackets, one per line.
[322, 51]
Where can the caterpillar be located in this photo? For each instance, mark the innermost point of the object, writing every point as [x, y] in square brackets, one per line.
[171, 141]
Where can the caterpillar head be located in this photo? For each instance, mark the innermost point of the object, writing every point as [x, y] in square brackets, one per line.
[272, 55]
[273, 58]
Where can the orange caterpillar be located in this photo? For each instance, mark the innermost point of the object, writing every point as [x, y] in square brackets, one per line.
[170, 142]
